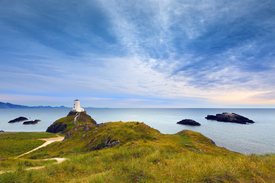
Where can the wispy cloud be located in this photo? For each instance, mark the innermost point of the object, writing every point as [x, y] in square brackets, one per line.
[139, 50]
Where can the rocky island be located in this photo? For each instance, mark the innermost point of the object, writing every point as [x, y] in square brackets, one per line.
[229, 117]
[19, 119]
[31, 122]
[189, 122]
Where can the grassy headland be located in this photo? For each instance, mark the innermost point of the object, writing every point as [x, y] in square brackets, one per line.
[14, 144]
[135, 152]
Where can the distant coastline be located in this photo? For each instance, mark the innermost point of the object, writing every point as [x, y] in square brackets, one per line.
[9, 105]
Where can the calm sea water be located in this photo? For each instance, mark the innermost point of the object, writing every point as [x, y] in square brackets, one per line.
[253, 138]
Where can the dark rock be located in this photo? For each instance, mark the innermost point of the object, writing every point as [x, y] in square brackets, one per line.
[100, 125]
[86, 127]
[67, 135]
[19, 119]
[230, 117]
[212, 142]
[182, 132]
[113, 143]
[81, 118]
[56, 127]
[31, 122]
[189, 122]
[72, 113]
[1, 131]
[2, 159]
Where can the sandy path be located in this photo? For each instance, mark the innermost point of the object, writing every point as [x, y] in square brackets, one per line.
[59, 160]
[48, 141]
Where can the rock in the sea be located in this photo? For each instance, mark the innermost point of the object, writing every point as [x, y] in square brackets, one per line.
[31, 122]
[230, 117]
[189, 122]
[19, 119]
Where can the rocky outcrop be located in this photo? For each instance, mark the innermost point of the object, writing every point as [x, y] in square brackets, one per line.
[83, 116]
[113, 143]
[68, 123]
[56, 127]
[31, 122]
[189, 122]
[19, 119]
[72, 113]
[230, 117]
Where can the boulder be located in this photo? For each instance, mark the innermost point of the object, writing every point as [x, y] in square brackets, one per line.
[31, 122]
[56, 127]
[113, 143]
[19, 119]
[189, 122]
[230, 117]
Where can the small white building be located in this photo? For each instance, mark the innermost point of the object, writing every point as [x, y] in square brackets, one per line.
[77, 107]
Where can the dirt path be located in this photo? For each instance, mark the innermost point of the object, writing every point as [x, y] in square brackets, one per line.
[59, 160]
[48, 141]
[75, 118]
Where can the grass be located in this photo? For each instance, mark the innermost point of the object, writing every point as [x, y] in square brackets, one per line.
[152, 164]
[143, 155]
[14, 144]
[13, 164]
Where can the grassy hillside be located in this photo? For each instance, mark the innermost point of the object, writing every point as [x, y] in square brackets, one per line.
[19, 164]
[135, 152]
[86, 137]
[14, 144]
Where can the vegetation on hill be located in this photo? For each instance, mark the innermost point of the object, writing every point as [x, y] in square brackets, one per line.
[14, 144]
[66, 124]
[8, 164]
[135, 152]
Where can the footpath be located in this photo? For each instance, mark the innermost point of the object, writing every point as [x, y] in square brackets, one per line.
[48, 141]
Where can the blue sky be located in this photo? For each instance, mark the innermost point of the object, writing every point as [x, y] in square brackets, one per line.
[144, 53]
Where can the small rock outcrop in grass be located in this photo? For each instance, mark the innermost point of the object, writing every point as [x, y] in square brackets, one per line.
[189, 122]
[230, 117]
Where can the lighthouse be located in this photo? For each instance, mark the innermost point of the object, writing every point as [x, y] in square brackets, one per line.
[77, 107]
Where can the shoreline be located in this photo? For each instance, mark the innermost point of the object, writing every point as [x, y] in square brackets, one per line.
[19, 131]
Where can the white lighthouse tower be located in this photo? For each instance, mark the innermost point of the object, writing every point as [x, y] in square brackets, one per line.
[77, 107]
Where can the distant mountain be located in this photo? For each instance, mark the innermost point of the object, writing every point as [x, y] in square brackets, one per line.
[9, 105]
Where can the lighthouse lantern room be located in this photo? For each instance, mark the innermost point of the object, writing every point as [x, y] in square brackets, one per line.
[77, 107]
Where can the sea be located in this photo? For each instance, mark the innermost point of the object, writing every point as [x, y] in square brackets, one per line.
[258, 138]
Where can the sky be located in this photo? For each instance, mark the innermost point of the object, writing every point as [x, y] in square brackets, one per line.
[143, 53]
